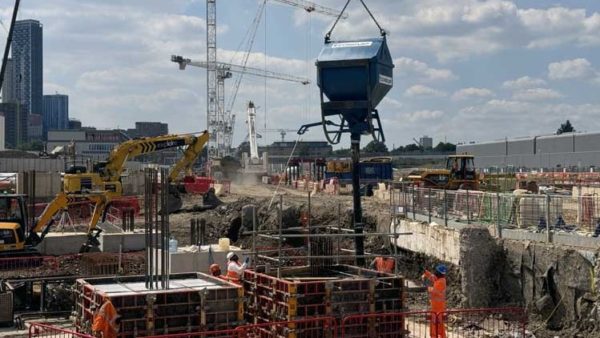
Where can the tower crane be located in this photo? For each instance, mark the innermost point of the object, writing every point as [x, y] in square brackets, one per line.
[312, 7]
[220, 126]
[229, 67]
[224, 126]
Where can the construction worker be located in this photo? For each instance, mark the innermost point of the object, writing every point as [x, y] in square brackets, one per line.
[235, 270]
[105, 321]
[383, 264]
[437, 295]
[215, 270]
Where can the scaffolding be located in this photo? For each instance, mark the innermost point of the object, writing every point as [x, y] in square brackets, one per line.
[315, 278]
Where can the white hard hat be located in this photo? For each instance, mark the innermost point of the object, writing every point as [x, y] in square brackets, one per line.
[229, 255]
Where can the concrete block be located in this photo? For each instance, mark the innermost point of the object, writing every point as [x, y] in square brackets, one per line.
[126, 241]
[62, 243]
[186, 261]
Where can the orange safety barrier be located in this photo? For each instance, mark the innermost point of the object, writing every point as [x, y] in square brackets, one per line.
[49, 331]
[317, 327]
[458, 323]
[397, 324]
[232, 333]
[503, 322]
[490, 322]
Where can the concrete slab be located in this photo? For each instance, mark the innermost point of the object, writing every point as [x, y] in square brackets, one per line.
[124, 289]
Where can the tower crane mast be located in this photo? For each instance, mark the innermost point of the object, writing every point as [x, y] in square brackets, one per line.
[220, 121]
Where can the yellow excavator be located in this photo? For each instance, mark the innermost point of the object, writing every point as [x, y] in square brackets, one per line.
[100, 187]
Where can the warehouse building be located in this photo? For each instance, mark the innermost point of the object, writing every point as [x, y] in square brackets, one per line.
[570, 150]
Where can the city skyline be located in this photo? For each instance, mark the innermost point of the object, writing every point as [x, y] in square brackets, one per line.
[520, 67]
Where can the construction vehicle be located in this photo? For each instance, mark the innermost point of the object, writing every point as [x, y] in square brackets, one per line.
[459, 174]
[13, 222]
[373, 170]
[101, 186]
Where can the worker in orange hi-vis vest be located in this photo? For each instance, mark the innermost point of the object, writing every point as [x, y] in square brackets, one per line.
[437, 295]
[105, 321]
[235, 270]
[383, 263]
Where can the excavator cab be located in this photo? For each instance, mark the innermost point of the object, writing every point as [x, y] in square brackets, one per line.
[462, 171]
[461, 167]
[13, 222]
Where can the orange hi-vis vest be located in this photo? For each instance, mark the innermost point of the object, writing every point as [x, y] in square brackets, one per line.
[383, 264]
[437, 292]
[232, 271]
[105, 321]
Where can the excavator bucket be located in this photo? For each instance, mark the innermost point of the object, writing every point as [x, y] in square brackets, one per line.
[175, 202]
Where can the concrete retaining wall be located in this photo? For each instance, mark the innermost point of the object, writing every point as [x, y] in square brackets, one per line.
[432, 240]
[555, 281]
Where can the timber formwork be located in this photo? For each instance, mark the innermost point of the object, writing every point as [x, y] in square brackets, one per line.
[195, 302]
[304, 292]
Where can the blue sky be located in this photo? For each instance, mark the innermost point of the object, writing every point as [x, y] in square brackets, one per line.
[466, 70]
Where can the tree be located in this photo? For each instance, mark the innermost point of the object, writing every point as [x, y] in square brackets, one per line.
[565, 128]
[398, 150]
[375, 147]
[445, 147]
[409, 148]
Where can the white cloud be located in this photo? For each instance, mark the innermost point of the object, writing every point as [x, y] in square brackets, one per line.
[423, 91]
[460, 29]
[424, 115]
[511, 118]
[536, 94]
[571, 69]
[405, 67]
[523, 83]
[472, 92]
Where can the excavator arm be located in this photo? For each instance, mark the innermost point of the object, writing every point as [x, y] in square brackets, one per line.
[112, 171]
[113, 168]
[190, 155]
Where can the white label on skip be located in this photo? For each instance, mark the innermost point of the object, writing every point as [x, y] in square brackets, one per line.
[386, 80]
[352, 44]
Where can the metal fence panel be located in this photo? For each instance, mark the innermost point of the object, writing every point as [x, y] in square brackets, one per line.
[398, 324]
[493, 322]
[49, 331]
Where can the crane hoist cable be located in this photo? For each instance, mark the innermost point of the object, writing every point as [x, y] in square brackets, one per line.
[252, 34]
[328, 35]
